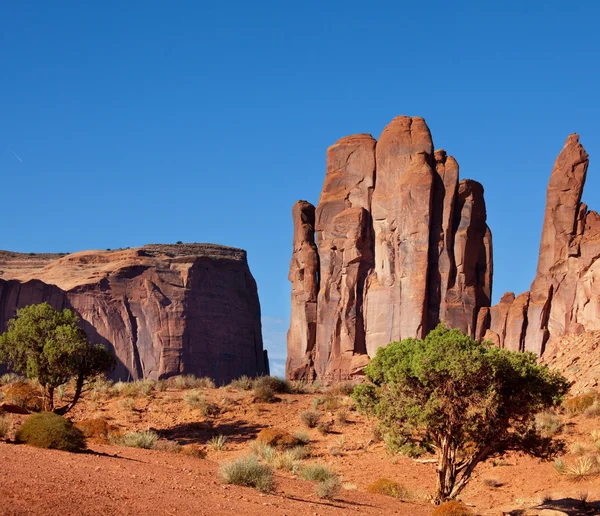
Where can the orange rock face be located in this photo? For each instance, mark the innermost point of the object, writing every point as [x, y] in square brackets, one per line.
[162, 309]
[401, 245]
[564, 297]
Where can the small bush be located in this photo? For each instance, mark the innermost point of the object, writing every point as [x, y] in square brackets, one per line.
[302, 437]
[492, 482]
[559, 465]
[97, 428]
[334, 451]
[127, 404]
[327, 489]
[49, 430]
[190, 381]
[264, 451]
[277, 438]
[578, 404]
[285, 461]
[164, 445]
[342, 389]
[5, 425]
[243, 383]
[310, 419]
[341, 418]
[452, 508]
[383, 486]
[247, 471]
[547, 424]
[593, 410]
[325, 427]
[582, 468]
[146, 439]
[9, 378]
[217, 443]
[316, 472]
[330, 402]
[264, 394]
[578, 448]
[277, 385]
[192, 450]
[24, 395]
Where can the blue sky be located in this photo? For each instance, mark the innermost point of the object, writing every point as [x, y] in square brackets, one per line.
[126, 123]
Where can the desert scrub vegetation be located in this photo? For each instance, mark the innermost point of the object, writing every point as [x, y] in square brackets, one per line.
[329, 488]
[447, 391]
[244, 383]
[217, 442]
[95, 428]
[325, 427]
[277, 438]
[303, 438]
[386, 487]
[8, 378]
[452, 508]
[579, 469]
[310, 419]
[145, 439]
[548, 423]
[578, 404]
[190, 381]
[50, 347]
[316, 472]
[24, 394]
[49, 430]
[247, 471]
[5, 425]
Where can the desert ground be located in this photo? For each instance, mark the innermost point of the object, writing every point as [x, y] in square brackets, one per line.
[181, 474]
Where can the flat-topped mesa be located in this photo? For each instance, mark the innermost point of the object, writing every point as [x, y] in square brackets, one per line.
[565, 295]
[163, 309]
[386, 248]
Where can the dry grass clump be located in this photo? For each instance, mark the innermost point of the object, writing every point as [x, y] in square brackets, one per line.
[243, 383]
[277, 385]
[329, 488]
[316, 472]
[578, 448]
[277, 438]
[341, 418]
[492, 482]
[580, 469]
[302, 437]
[386, 487]
[310, 419]
[593, 410]
[9, 378]
[217, 443]
[49, 430]
[196, 400]
[578, 404]
[452, 508]
[127, 404]
[325, 427]
[341, 389]
[132, 389]
[190, 381]
[5, 425]
[548, 424]
[146, 439]
[247, 471]
[25, 395]
[304, 387]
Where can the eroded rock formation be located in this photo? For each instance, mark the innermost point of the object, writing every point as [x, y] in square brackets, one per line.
[163, 309]
[400, 245]
[564, 298]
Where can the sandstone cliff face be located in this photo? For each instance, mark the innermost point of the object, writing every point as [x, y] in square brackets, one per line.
[400, 246]
[565, 295]
[162, 309]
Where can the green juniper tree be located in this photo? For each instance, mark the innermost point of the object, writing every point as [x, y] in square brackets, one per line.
[465, 400]
[48, 346]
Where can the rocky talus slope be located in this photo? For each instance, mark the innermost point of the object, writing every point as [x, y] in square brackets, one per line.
[396, 244]
[163, 309]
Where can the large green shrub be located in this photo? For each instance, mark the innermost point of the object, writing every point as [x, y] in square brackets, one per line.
[49, 430]
[464, 399]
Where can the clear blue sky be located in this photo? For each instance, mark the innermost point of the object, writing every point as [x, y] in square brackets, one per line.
[126, 123]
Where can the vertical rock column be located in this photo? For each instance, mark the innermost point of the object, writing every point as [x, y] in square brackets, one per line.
[303, 275]
[396, 302]
[550, 298]
[345, 244]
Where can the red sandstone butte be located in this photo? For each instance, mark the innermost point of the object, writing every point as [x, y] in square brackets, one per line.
[400, 246]
[163, 309]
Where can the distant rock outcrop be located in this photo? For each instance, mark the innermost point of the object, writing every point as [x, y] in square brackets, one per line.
[163, 309]
[401, 245]
[564, 298]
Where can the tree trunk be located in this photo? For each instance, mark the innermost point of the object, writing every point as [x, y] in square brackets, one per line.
[78, 389]
[48, 404]
[445, 471]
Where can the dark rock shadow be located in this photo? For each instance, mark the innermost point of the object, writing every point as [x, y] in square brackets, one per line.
[572, 506]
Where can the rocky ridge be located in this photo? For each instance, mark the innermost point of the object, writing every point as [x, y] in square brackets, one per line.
[395, 245]
[163, 309]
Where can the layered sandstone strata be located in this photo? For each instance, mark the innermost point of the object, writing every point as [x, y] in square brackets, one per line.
[400, 245]
[162, 309]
